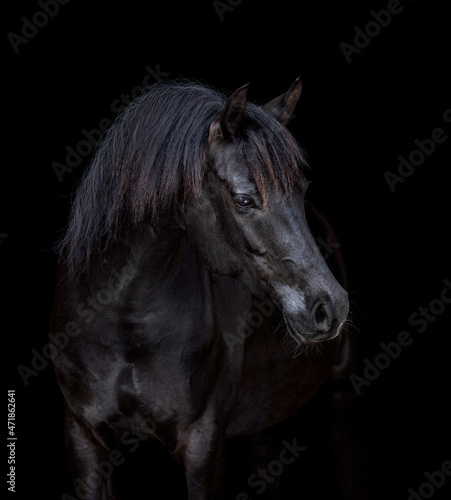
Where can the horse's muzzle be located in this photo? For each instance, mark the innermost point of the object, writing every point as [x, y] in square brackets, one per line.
[323, 322]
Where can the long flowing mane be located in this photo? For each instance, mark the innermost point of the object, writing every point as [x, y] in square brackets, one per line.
[155, 155]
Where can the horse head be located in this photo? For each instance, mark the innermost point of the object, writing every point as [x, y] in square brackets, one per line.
[249, 221]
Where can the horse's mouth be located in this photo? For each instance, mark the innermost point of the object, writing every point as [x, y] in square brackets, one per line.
[310, 336]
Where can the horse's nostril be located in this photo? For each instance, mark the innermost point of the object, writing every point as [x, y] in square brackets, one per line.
[322, 316]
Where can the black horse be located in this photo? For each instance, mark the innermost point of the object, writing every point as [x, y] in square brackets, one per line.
[186, 260]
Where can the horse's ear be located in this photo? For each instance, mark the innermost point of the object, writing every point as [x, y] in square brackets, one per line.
[282, 107]
[226, 124]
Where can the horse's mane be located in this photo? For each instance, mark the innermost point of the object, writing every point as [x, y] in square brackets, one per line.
[154, 156]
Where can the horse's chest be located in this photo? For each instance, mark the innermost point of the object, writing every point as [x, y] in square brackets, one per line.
[151, 386]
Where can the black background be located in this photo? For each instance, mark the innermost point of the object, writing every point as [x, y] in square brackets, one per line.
[353, 121]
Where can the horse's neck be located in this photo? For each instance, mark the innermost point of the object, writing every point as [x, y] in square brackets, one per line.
[172, 282]
[167, 272]
[157, 283]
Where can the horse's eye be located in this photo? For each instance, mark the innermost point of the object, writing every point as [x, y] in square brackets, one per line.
[243, 200]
